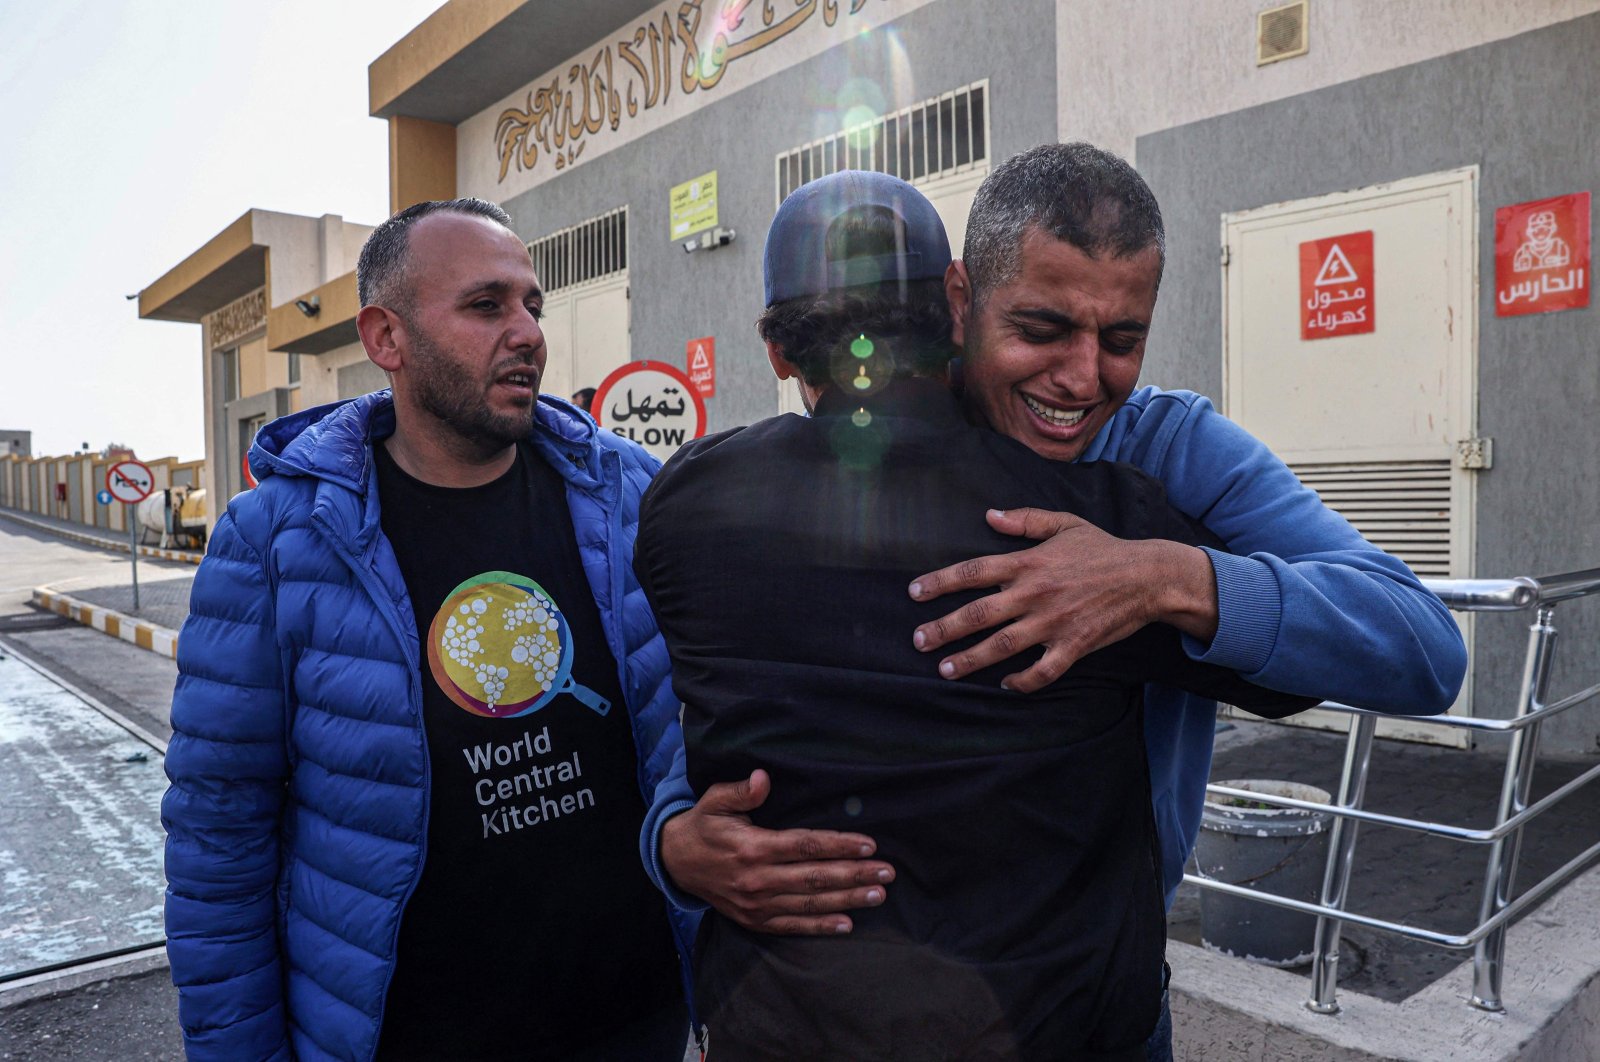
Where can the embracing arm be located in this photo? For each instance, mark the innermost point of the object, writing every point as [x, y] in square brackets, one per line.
[1300, 603]
[1305, 604]
[227, 766]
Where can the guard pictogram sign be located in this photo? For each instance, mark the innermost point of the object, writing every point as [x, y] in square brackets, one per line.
[130, 481]
[701, 357]
[1337, 290]
[1541, 256]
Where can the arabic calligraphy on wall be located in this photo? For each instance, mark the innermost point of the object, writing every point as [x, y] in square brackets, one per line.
[661, 67]
[1337, 289]
[1541, 256]
[239, 318]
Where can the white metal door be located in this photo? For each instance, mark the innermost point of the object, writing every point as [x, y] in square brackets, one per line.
[586, 334]
[1372, 421]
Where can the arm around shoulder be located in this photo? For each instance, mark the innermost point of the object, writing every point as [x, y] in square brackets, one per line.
[1305, 604]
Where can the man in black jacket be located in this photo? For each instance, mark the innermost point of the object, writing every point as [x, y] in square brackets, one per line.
[1028, 918]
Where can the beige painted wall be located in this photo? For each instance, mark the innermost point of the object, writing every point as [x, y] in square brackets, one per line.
[319, 374]
[1114, 85]
[258, 369]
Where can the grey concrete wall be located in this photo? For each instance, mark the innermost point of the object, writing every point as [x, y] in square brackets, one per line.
[1522, 109]
[676, 296]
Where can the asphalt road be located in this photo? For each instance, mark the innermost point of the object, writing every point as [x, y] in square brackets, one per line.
[127, 1009]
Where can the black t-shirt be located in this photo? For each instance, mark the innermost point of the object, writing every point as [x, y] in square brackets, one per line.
[533, 931]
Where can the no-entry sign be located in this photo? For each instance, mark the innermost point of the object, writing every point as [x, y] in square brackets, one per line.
[652, 403]
[1541, 256]
[1337, 292]
[130, 481]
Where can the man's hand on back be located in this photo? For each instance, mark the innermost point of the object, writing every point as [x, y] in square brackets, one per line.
[1080, 590]
[795, 882]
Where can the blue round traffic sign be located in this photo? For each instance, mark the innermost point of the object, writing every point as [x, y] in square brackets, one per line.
[104, 497]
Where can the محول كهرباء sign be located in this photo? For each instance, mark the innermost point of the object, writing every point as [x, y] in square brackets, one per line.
[1337, 290]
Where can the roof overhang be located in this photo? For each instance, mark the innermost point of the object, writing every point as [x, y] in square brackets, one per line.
[230, 264]
[334, 325]
[471, 53]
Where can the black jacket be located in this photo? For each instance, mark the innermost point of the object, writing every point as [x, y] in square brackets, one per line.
[1026, 919]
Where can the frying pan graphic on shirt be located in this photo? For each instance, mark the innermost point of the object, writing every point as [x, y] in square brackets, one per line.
[500, 647]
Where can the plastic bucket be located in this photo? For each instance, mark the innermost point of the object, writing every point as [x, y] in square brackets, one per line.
[1278, 850]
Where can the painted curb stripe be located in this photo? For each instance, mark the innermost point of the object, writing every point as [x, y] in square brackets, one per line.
[103, 543]
[149, 636]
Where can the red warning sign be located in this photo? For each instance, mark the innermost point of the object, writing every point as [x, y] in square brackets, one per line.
[1336, 286]
[700, 355]
[1541, 256]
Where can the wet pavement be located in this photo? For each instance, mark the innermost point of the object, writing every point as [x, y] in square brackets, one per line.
[80, 828]
[1400, 875]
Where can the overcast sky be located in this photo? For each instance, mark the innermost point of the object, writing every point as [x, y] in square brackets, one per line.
[130, 134]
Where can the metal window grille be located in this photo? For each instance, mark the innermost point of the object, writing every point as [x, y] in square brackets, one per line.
[935, 138]
[591, 250]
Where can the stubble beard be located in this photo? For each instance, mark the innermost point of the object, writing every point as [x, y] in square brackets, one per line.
[446, 394]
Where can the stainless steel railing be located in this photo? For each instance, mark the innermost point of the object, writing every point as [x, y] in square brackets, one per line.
[1497, 909]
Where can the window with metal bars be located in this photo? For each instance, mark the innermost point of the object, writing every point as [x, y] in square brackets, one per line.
[937, 137]
[590, 250]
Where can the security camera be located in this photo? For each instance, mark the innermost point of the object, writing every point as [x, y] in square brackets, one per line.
[691, 246]
[310, 307]
[723, 236]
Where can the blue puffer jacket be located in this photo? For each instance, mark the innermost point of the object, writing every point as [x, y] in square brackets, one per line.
[299, 799]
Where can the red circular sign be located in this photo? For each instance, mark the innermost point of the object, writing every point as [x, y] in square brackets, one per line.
[130, 481]
[652, 403]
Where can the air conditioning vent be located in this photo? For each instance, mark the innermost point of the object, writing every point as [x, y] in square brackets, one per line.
[1282, 32]
[1402, 507]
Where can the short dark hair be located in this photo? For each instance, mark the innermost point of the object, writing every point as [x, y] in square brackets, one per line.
[910, 322]
[1076, 192]
[381, 269]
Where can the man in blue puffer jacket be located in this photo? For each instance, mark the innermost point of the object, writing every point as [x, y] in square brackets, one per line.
[414, 741]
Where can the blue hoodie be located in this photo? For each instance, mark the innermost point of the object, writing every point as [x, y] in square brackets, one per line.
[1306, 605]
[298, 809]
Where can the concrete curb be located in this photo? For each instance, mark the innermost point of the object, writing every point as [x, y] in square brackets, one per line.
[1228, 1009]
[80, 975]
[182, 556]
[145, 635]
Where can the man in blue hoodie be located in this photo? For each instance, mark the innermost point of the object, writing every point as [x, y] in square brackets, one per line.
[1052, 303]
[422, 707]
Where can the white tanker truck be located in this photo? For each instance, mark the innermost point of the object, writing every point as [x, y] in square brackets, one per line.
[177, 514]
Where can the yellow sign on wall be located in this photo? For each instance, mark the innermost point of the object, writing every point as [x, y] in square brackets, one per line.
[694, 205]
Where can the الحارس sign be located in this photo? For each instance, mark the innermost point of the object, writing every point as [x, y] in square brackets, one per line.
[694, 205]
[701, 357]
[1336, 286]
[1541, 256]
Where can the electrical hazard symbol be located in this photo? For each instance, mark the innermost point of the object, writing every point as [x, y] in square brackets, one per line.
[1337, 291]
[701, 357]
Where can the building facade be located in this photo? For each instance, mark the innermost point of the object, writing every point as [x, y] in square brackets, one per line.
[642, 149]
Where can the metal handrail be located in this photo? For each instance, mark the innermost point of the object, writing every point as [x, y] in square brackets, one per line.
[1497, 909]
